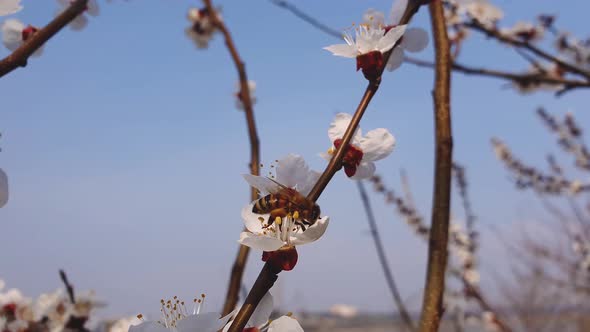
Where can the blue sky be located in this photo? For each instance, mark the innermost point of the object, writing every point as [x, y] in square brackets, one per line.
[124, 151]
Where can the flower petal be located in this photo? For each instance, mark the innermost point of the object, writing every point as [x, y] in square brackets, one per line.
[415, 40]
[338, 128]
[285, 324]
[205, 322]
[12, 33]
[262, 183]
[148, 327]
[396, 59]
[8, 7]
[292, 171]
[252, 220]
[365, 170]
[79, 23]
[260, 242]
[390, 38]
[92, 8]
[377, 144]
[3, 188]
[262, 312]
[397, 11]
[374, 18]
[312, 233]
[345, 50]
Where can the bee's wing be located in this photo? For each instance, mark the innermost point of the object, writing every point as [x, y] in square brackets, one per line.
[263, 184]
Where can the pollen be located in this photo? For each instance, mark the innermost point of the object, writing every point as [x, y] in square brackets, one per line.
[296, 215]
[278, 220]
[140, 317]
[331, 150]
[260, 219]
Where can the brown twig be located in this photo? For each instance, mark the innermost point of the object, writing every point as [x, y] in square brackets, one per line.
[432, 309]
[307, 18]
[19, 57]
[528, 46]
[69, 287]
[237, 271]
[383, 260]
[267, 276]
[526, 78]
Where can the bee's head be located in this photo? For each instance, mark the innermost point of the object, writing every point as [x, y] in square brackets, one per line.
[315, 212]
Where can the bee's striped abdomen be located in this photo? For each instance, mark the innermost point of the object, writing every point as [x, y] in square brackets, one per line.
[264, 204]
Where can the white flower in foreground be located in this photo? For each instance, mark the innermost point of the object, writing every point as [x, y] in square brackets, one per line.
[176, 318]
[251, 89]
[81, 21]
[202, 28]
[8, 7]
[15, 33]
[259, 321]
[368, 46]
[358, 162]
[3, 190]
[293, 177]
[414, 39]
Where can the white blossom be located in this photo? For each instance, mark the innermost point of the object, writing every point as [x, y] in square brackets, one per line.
[363, 151]
[9, 7]
[81, 21]
[176, 318]
[367, 39]
[251, 90]
[291, 172]
[15, 33]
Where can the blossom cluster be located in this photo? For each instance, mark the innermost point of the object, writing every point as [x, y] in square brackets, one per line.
[176, 317]
[53, 312]
[15, 32]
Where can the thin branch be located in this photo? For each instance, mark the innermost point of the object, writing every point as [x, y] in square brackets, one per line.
[19, 57]
[383, 260]
[69, 287]
[237, 272]
[528, 46]
[304, 16]
[267, 275]
[432, 308]
[526, 78]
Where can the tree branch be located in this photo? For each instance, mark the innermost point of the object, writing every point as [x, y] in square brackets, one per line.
[19, 57]
[528, 46]
[383, 260]
[532, 78]
[237, 271]
[437, 249]
[69, 287]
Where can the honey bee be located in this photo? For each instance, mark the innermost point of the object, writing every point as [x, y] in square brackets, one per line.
[282, 201]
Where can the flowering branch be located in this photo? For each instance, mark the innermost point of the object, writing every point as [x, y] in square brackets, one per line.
[268, 275]
[244, 95]
[528, 46]
[521, 79]
[432, 308]
[383, 260]
[19, 57]
[524, 79]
